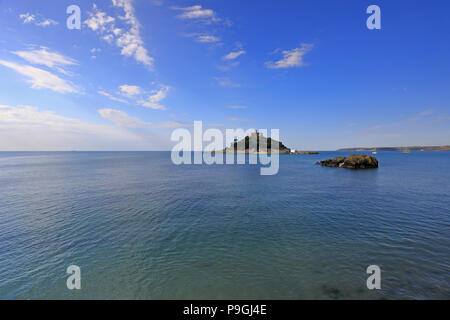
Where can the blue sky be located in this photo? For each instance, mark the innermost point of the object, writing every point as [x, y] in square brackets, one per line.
[139, 69]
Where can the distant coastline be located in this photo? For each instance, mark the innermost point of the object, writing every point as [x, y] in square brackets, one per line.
[415, 148]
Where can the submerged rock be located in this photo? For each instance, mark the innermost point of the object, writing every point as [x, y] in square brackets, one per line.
[354, 161]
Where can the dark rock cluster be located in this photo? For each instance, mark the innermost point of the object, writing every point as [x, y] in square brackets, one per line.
[354, 161]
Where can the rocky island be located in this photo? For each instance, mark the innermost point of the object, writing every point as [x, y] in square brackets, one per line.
[354, 161]
[257, 143]
[254, 144]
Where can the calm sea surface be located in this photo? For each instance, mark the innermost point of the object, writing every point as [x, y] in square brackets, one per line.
[140, 227]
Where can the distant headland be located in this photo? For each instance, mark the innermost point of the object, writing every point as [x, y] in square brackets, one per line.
[401, 149]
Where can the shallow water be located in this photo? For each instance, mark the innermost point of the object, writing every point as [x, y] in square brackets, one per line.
[142, 228]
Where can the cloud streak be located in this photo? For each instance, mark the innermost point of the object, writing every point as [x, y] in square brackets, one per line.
[234, 55]
[111, 97]
[37, 20]
[207, 39]
[120, 118]
[28, 128]
[130, 91]
[41, 79]
[197, 12]
[153, 101]
[52, 60]
[291, 58]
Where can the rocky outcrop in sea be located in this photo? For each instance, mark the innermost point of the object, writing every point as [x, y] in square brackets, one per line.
[354, 161]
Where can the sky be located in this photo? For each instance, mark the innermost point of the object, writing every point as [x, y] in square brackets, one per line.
[139, 69]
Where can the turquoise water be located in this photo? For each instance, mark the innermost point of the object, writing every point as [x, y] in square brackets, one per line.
[140, 227]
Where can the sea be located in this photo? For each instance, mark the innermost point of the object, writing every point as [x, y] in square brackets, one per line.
[140, 227]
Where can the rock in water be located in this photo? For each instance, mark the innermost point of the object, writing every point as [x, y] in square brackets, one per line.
[354, 161]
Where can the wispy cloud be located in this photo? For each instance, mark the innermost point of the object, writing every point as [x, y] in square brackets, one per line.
[291, 58]
[27, 17]
[42, 56]
[47, 22]
[29, 128]
[136, 95]
[37, 20]
[100, 21]
[39, 78]
[233, 55]
[121, 118]
[197, 12]
[129, 90]
[203, 16]
[153, 101]
[111, 97]
[127, 38]
[207, 39]
[203, 37]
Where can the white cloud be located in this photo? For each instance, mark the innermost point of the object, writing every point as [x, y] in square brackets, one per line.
[111, 97]
[31, 115]
[151, 105]
[291, 58]
[47, 58]
[197, 12]
[129, 41]
[207, 39]
[160, 94]
[27, 17]
[233, 55]
[153, 100]
[135, 93]
[37, 20]
[39, 78]
[47, 22]
[203, 38]
[100, 20]
[28, 128]
[109, 38]
[121, 119]
[130, 90]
